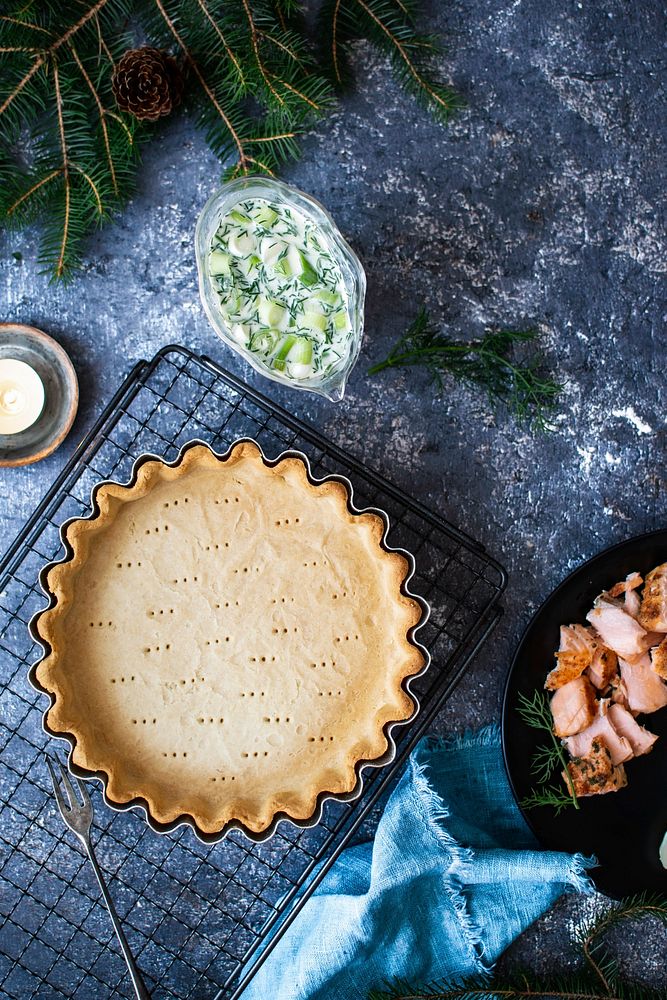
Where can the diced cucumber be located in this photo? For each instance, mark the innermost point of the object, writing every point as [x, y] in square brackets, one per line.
[248, 265]
[279, 359]
[271, 313]
[239, 217]
[218, 263]
[284, 267]
[299, 371]
[264, 215]
[308, 274]
[271, 250]
[331, 298]
[231, 306]
[242, 243]
[341, 320]
[301, 352]
[314, 321]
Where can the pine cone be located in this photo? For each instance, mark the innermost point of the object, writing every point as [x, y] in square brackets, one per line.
[148, 83]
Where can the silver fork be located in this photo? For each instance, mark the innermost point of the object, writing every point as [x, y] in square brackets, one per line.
[78, 818]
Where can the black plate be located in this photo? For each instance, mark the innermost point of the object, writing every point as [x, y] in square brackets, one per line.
[623, 829]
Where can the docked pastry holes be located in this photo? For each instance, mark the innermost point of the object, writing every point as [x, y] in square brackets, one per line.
[240, 640]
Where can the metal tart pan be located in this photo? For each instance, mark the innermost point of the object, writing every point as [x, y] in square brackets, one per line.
[140, 804]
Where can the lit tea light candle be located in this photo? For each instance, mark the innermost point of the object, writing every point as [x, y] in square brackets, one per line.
[21, 396]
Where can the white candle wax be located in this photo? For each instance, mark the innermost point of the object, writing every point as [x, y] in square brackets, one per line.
[21, 396]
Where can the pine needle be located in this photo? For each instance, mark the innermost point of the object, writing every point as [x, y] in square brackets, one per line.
[528, 394]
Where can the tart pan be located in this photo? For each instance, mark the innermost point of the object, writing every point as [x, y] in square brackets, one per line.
[139, 803]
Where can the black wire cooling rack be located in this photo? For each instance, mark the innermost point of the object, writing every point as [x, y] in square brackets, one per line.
[197, 916]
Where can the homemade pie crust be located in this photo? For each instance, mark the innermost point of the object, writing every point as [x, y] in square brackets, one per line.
[228, 641]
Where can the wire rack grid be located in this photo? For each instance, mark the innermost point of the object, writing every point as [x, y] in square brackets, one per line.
[198, 916]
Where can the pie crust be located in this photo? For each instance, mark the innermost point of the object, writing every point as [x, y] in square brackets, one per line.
[227, 640]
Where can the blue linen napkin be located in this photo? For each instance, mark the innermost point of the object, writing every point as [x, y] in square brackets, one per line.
[452, 877]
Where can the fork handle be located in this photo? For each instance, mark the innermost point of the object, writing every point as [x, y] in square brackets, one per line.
[137, 981]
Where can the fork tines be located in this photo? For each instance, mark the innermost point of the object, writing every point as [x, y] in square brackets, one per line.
[76, 811]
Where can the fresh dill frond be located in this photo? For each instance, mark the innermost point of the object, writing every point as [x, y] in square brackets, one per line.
[544, 762]
[547, 795]
[536, 713]
[528, 393]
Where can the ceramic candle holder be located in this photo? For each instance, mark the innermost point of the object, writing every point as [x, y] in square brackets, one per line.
[61, 394]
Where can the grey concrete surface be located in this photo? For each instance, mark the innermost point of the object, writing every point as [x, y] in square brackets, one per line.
[540, 204]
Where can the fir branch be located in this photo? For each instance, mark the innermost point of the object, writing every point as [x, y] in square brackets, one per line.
[598, 980]
[389, 25]
[632, 908]
[52, 49]
[233, 132]
[255, 85]
[519, 986]
[60, 266]
[528, 394]
[229, 51]
[101, 112]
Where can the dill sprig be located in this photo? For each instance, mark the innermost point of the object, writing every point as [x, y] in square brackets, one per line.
[536, 713]
[528, 393]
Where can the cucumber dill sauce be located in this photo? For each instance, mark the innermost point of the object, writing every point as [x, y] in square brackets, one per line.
[281, 292]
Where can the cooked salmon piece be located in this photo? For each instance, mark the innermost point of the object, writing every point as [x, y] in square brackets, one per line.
[594, 773]
[640, 739]
[573, 707]
[603, 668]
[619, 747]
[653, 611]
[577, 648]
[619, 695]
[644, 690]
[659, 659]
[628, 588]
[632, 602]
[617, 629]
[631, 582]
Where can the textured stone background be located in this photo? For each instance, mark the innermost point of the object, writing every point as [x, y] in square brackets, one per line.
[539, 204]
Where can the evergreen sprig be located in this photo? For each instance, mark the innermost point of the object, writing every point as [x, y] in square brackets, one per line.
[528, 393]
[390, 25]
[599, 979]
[255, 82]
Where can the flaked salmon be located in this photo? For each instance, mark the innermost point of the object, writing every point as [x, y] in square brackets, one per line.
[617, 629]
[640, 739]
[605, 675]
[573, 707]
[653, 611]
[594, 773]
[603, 668]
[644, 690]
[628, 588]
[618, 746]
[659, 659]
[575, 654]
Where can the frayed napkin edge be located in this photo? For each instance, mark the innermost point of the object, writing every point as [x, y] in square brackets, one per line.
[460, 857]
[577, 878]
